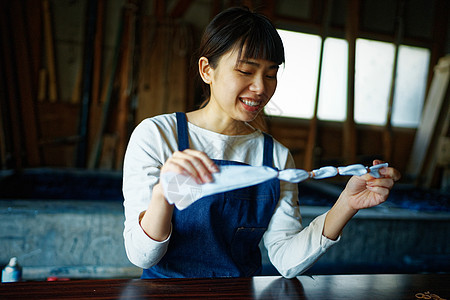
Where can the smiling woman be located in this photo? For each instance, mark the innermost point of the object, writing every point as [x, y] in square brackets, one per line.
[219, 235]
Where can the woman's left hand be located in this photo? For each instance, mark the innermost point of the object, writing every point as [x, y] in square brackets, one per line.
[366, 191]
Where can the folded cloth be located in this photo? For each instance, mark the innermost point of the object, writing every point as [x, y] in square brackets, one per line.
[182, 190]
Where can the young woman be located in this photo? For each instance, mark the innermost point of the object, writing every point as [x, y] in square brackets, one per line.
[218, 236]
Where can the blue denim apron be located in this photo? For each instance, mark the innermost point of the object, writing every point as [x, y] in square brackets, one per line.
[219, 235]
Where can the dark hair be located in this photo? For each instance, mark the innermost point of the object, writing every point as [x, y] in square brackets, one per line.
[238, 27]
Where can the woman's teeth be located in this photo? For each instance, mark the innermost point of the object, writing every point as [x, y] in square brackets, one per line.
[249, 102]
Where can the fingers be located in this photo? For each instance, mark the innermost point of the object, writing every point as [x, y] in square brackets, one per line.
[380, 186]
[192, 163]
[382, 191]
[387, 171]
[390, 173]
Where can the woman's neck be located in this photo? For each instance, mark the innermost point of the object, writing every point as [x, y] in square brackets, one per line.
[209, 119]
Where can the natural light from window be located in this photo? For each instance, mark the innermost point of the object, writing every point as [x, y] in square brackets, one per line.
[410, 86]
[373, 72]
[333, 81]
[297, 80]
[374, 62]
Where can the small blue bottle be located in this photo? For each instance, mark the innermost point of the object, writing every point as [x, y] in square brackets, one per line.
[12, 272]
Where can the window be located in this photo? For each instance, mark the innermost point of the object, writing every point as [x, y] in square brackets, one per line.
[373, 75]
[297, 81]
[410, 86]
[333, 81]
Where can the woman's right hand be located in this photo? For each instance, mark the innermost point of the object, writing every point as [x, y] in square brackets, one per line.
[193, 163]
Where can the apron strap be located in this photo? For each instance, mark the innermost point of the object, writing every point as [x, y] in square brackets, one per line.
[183, 140]
[183, 137]
[268, 150]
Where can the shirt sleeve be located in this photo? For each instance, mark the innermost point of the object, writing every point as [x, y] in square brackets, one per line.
[142, 163]
[292, 248]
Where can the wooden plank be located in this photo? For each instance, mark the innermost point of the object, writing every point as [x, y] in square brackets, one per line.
[98, 47]
[177, 79]
[33, 10]
[76, 92]
[107, 156]
[351, 32]
[96, 104]
[164, 81]
[312, 136]
[387, 130]
[125, 79]
[4, 124]
[14, 118]
[50, 52]
[42, 85]
[26, 87]
[81, 156]
[430, 116]
[439, 158]
[106, 99]
[440, 31]
[150, 74]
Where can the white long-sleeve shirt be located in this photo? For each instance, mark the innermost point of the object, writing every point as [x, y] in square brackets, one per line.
[292, 248]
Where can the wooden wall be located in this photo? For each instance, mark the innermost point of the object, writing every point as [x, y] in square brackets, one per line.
[76, 76]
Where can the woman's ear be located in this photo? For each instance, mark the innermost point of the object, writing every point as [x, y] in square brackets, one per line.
[204, 68]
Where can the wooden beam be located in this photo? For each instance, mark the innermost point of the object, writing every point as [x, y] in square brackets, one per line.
[387, 132]
[34, 27]
[124, 92]
[50, 52]
[352, 27]
[8, 71]
[4, 122]
[312, 136]
[81, 156]
[440, 28]
[27, 91]
[106, 100]
[434, 108]
[98, 47]
[96, 105]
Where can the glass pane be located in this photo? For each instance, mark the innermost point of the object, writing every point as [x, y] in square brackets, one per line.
[373, 75]
[333, 81]
[297, 81]
[410, 86]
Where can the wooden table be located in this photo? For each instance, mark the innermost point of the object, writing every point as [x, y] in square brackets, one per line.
[386, 287]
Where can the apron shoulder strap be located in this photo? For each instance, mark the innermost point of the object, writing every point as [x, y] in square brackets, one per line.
[268, 150]
[183, 140]
[182, 132]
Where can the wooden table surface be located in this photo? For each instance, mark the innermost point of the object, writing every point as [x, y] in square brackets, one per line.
[386, 287]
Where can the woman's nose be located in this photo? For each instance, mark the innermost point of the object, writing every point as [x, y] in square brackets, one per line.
[257, 85]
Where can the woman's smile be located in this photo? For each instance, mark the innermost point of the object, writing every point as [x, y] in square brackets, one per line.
[250, 104]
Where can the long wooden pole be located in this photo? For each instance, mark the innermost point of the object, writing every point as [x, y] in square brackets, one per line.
[312, 135]
[107, 91]
[349, 134]
[87, 85]
[14, 118]
[126, 70]
[387, 131]
[50, 52]
[27, 91]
